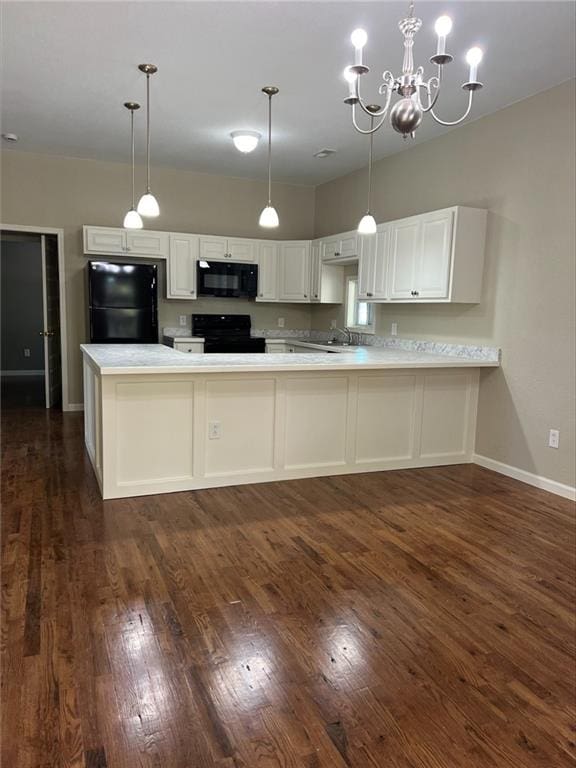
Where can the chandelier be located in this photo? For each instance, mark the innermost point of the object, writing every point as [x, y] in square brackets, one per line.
[418, 95]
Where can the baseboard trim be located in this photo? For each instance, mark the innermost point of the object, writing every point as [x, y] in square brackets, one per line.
[27, 372]
[74, 407]
[567, 491]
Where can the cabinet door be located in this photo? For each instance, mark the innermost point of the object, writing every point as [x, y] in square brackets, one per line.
[330, 248]
[191, 347]
[181, 268]
[315, 272]
[433, 264]
[382, 255]
[240, 249]
[142, 243]
[103, 240]
[213, 248]
[294, 272]
[267, 272]
[349, 244]
[366, 266]
[404, 251]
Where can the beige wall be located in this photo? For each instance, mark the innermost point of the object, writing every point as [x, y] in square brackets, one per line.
[44, 190]
[519, 164]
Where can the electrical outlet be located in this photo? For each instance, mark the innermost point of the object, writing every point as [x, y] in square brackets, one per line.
[281, 322]
[394, 329]
[183, 321]
[214, 430]
[333, 325]
[554, 438]
[26, 352]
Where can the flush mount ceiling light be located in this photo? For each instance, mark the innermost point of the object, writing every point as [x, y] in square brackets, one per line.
[10, 137]
[245, 141]
[269, 217]
[148, 205]
[406, 115]
[367, 225]
[132, 219]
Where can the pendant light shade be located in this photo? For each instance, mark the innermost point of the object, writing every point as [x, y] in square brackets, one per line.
[367, 225]
[269, 216]
[148, 205]
[132, 219]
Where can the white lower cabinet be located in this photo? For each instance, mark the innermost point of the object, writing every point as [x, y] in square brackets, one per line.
[181, 267]
[294, 271]
[267, 272]
[194, 347]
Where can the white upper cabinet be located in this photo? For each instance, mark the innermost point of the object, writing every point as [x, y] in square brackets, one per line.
[103, 240]
[373, 264]
[181, 268]
[326, 280]
[294, 271]
[267, 271]
[404, 253]
[108, 240]
[433, 265]
[228, 249]
[438, 256]
[143, 243]
[343, 246]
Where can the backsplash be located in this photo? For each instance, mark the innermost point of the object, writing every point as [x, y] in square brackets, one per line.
[492, 354]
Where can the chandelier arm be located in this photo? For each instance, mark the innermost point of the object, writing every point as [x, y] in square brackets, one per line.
[461, 119]
[372, 129]
[389, 86]
[433, 82]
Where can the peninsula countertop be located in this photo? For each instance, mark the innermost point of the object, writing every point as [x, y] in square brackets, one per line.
[123, 359]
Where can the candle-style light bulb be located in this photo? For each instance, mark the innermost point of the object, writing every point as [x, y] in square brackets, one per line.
[359, 39]
[443, 28]
[474, 57]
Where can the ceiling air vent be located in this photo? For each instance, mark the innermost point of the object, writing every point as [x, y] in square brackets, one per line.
[322, 153]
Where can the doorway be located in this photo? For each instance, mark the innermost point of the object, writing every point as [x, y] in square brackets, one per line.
[30, 373]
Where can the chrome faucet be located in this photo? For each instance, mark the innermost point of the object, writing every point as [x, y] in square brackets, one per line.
[347, 332]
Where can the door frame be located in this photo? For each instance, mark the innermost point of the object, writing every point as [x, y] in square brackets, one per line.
[66, 405]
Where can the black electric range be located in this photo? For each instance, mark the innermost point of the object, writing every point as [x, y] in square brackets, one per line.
[226, 333]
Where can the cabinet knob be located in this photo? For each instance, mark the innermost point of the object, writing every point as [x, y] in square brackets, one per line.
[305, 295]
[315, 295]
[337, 253]
[368, 294]
[192, 292]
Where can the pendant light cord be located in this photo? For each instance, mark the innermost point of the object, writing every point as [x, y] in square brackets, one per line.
[269, 149]
[370, 164]
[147, 133]
[132, 129]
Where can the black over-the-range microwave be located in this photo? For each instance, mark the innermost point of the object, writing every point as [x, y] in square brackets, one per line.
[226, 279]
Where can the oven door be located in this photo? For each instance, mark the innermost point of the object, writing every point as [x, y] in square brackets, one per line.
[227, 280]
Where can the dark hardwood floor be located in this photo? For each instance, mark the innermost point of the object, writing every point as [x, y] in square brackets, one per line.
[410, 619]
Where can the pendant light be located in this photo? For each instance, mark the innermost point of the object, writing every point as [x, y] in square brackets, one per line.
[367, 225]
[132, 219]
[269, 217]
[148, 205]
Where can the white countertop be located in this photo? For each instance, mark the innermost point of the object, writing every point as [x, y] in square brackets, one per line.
[114, 359]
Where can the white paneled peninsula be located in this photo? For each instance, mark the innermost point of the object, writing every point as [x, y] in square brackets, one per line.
[159, 420]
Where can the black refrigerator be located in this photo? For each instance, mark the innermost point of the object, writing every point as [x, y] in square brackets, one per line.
[122, 303]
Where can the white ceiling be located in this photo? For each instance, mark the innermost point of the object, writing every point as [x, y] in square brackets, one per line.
[69, 66]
